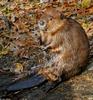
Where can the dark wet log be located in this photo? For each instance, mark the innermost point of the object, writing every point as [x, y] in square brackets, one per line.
[25, 84]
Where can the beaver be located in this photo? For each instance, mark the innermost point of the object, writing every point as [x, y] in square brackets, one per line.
[67, 43]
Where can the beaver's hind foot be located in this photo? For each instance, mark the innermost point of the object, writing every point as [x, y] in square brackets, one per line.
[50, 74]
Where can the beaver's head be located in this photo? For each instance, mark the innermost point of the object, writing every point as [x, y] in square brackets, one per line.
[50, 21]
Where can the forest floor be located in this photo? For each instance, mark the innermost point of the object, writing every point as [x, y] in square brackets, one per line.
[19, 51]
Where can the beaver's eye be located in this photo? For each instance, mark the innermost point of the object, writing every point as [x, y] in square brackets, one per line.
[42, 24]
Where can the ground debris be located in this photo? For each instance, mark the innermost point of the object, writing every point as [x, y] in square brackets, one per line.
[18, 45]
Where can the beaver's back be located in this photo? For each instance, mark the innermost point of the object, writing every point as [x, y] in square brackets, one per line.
[78, 38]
[75, 48]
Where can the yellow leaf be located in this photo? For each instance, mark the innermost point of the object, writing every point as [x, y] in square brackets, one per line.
[4, 51]
[19, 68]
[86, 3]
[85, 25]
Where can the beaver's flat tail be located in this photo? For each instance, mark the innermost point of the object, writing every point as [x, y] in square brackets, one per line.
[33, 81]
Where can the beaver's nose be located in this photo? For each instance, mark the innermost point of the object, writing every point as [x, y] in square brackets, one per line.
[40, 40]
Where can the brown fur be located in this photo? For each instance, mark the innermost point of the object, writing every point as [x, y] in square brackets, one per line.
[67, 42]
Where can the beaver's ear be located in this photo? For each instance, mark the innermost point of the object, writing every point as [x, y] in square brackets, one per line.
[62, 16]
[39, 13]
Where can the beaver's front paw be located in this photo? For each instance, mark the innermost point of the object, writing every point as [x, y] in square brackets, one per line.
[48, 74]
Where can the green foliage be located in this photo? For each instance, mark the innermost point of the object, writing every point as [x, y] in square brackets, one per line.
[85, 3]
[6, 11]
